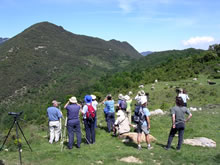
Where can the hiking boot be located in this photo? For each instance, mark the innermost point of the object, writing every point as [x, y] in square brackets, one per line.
[166, 148]
[149, 147]
[139, 147]
[177, 149]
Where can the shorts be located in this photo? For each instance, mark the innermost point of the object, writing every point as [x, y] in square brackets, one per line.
[143, 128]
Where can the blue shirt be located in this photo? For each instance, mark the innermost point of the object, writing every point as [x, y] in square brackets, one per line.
[73, 112]
[110, 106]
[119, 101]
[146, 113]
[53, 113]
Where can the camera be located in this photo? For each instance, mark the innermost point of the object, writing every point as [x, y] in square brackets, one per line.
[15, 114]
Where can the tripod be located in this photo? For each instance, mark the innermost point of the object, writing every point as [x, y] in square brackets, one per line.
[16, 116]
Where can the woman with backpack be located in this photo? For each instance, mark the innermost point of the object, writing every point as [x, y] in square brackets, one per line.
[73, 122]
[143, 124]
[88, 112]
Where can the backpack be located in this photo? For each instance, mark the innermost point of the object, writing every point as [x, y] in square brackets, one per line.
[139, 116]
[90, 114]
[123, 105]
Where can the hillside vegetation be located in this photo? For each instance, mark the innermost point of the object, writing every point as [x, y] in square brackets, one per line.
[171, 72]
[46, 62]
[179, 65]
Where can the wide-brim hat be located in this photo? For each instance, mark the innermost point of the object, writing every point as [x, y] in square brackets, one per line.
[88, 98]
[141, 93]
[93, 97]
[127, 97]
[120, 96]
[73, 100]
[143, 100]
[130, 93]
[55, 102]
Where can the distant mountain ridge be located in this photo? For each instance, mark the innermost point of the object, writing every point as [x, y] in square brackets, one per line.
[49, 58]
[146, 53]
[3, 40]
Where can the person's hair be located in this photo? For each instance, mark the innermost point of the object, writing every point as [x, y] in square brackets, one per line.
[179, 101]
[109, 97]
[184, 91]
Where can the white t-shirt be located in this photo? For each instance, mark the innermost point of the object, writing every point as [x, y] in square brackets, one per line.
[138, 99]
[184, 96]
[95, 104]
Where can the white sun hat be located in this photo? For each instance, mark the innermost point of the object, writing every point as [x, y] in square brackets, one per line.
[73, 100]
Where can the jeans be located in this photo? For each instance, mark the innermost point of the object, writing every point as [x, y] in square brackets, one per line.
[90, 131]
[74, 128]
[180, 128]
[110, 121]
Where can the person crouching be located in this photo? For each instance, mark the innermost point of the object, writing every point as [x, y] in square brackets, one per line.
[121, 124]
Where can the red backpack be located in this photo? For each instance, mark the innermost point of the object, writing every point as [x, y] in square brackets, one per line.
[90, 114]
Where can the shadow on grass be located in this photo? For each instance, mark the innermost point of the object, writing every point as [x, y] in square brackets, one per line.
[163, 145]
[103, 128]
[131, 144]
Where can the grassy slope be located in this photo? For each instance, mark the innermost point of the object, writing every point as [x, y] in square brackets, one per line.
[109, 149]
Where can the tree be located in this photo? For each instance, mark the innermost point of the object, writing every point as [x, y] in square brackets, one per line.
[215, 48]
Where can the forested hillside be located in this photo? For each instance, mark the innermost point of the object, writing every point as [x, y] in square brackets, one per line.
[46, 62]
[163, 66]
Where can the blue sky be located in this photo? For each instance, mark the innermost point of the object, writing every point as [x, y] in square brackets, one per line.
[148, 25]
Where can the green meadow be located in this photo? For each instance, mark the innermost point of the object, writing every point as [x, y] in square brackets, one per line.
[109, 149]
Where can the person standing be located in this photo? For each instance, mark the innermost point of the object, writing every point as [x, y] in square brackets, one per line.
[54, 114]
[184, 96]
[73, 122]
[89, 122]
[144, 124]
[178, 122]
[109, 103]
[95, 104]
[128, 110]
[120, 98]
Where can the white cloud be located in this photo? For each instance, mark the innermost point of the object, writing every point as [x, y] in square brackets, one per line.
[126, 5]
[198, 40]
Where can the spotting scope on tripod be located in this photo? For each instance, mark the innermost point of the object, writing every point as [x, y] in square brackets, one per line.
[16, 117]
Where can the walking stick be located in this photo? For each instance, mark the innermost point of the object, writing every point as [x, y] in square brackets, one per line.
[83, 134]
[64, 134]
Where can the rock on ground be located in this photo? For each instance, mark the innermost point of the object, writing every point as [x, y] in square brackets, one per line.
[157, 112]
[200, 141]
[131, 159]
[132, 136]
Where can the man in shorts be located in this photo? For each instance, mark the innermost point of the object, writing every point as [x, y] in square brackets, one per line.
[144, 124]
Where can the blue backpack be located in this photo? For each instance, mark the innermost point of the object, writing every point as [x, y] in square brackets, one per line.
[123, 105]
[139, 116]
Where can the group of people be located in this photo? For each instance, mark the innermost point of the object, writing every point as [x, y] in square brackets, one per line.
[74, 109]
[123, 122]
